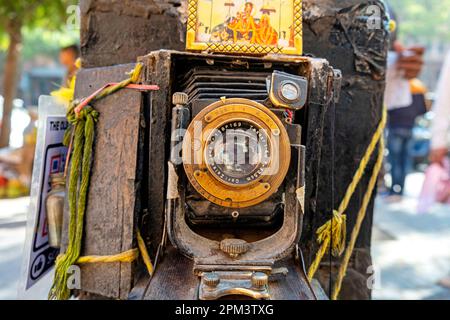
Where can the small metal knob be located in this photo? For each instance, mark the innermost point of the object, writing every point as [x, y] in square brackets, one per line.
[234, 247]
[211, 279]
[180, 98]
[260, 280]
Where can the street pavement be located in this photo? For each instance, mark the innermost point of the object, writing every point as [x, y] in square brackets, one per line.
[12, 239]
[411, 252]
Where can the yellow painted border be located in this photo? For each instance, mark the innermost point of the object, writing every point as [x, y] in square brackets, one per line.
[192, 45]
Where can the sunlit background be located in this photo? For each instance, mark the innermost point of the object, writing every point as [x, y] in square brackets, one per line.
[410, 250]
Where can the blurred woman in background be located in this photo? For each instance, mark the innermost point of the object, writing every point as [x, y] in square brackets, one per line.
[441, 122]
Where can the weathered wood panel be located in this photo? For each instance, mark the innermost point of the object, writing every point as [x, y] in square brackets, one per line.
[335, 31]
[112, 202]
[118, 31]
[158, 72]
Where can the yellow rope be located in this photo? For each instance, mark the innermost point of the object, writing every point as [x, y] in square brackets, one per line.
[144, 254]
[127, 256]
[333, 232]
[134, 77]
[359, 221]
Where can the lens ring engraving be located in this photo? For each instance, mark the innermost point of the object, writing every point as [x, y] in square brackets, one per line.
[212, 158]
[238, 152]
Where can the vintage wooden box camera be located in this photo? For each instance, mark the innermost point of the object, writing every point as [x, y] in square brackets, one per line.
[245, 135]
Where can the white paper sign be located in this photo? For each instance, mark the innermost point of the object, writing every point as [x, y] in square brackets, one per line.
[39, 257]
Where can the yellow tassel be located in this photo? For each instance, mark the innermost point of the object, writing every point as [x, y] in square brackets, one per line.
[334, 229]
[78, 63]
[65, 95]
[392, 25]
[333, 232]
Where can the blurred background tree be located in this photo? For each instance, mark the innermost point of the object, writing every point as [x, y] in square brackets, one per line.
[20, 18]
[425, 23]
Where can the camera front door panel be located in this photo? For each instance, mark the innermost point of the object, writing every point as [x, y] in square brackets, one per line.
[238, 159]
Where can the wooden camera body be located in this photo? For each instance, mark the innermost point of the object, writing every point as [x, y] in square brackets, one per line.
[212, 230]
[237, 226]
[134, 182]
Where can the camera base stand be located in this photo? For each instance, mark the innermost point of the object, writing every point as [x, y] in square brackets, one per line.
[174, 280]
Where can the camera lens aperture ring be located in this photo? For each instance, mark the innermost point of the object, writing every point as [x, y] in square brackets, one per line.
[236, 153]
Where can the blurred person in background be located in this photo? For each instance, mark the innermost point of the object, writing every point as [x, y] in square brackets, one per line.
[440, 131]
[441, 122]
[68, 57]
[405, 100]
[436, 187]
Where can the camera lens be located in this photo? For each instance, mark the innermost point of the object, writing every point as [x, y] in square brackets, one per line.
[290, 91]
[238, 152]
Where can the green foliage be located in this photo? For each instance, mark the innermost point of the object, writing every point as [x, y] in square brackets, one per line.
[43, 23]
[44, 14]
[44, 42]
[423, 21]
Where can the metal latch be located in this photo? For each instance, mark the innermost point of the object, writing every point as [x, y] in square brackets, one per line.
[219, 284]
[337, 84]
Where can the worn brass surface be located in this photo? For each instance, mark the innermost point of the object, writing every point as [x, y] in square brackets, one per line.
[54, 204]
[224, 191]
[254, 285]
[234, 247]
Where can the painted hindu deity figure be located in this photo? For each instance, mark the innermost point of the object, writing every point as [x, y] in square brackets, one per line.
[266, 34]
[244, 26]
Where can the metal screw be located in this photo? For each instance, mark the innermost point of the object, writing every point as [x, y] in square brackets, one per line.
[180, 98]
[260, 280]
[211, 279]
[234, 247]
